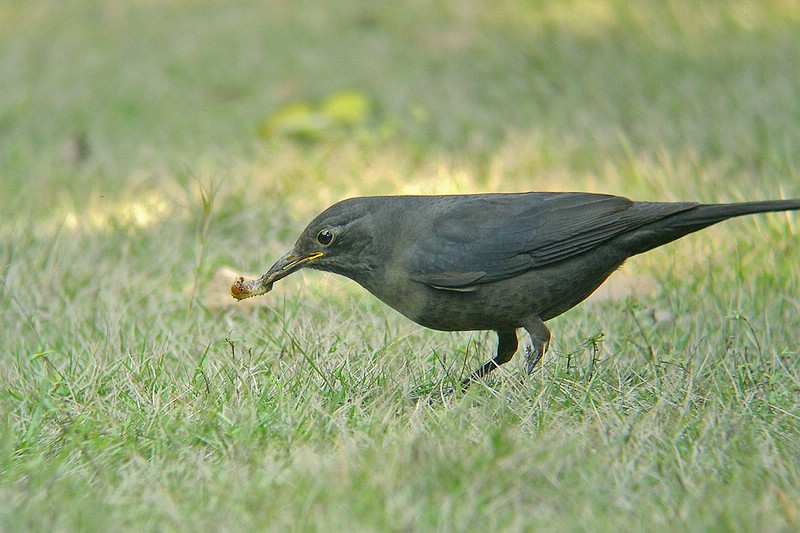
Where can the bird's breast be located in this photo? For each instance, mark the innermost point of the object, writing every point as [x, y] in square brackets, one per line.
[441, 309]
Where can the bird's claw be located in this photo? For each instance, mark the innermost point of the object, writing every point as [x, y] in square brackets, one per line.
[532, 357]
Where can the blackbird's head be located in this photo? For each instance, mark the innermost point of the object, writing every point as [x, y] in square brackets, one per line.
[344, 239]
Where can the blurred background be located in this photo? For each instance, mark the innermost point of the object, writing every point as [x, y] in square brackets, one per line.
[99, 96]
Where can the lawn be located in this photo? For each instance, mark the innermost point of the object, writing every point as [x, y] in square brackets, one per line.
[151, 150]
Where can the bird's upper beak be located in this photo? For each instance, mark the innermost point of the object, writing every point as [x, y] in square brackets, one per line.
[288, 264]
[283, 267]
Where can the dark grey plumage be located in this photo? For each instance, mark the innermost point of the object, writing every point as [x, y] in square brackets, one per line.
[491, 261]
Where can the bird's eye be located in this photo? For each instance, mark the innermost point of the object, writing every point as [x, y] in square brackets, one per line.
[325, 237]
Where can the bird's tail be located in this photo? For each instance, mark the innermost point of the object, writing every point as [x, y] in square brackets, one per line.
[698, 217]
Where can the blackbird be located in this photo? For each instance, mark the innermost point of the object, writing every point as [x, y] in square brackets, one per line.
[490, 261]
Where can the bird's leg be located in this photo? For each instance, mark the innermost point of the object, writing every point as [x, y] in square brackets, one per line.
[540, 338]
[506, 346]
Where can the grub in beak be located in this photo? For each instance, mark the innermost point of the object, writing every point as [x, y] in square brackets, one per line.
[287, 264]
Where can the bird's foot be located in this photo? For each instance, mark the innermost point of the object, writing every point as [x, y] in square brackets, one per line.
[532, 357]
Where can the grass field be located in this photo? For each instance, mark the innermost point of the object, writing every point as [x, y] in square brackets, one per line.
[146, 145]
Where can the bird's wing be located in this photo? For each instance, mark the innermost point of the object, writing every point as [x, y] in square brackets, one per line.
[485, 238]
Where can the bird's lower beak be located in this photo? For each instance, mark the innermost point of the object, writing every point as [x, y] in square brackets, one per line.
[284, 266]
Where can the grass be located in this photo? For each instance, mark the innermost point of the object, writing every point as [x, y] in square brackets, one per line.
[135, 396]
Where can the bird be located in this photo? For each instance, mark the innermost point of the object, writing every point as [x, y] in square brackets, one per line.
[492, 261]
